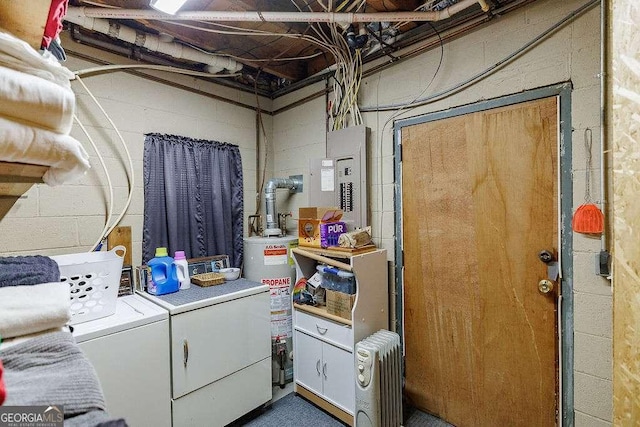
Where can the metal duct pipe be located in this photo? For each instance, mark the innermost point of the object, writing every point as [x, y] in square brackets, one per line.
[293, 184]
[215, 63]
[343, 19]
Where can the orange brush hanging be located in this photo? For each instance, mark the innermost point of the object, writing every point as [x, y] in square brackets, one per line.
[588, 218]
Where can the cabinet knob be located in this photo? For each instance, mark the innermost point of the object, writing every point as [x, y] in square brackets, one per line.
[185, 351]
[318, 367]
[321, 330]
[324, 370]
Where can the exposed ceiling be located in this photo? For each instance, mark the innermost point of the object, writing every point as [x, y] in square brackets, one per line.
[275, 56]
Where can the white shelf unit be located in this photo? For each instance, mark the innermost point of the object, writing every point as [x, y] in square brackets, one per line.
[324, 343]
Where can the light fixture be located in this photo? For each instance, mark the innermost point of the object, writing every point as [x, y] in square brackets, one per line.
[167, 6]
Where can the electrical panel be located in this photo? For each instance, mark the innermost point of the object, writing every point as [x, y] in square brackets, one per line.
[341, 178]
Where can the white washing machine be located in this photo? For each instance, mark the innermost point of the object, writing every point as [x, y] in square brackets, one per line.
[130, 352]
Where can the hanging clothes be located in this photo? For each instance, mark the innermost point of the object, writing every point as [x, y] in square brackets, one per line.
[53, 27]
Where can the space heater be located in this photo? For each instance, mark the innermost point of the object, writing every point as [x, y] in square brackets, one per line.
[379, 380]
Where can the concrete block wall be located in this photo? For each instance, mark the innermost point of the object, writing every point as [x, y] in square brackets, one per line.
[571, 54]
[69, 218]
[299, 134]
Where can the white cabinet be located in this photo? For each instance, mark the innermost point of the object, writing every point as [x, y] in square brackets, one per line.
[216, 341]
[324, 343]
[324, 370]
[323, 355]
[220, 348]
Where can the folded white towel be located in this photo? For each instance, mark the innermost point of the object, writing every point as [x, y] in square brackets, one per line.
[66, 157]
[29, 309]
[17, 54]
[36, 101]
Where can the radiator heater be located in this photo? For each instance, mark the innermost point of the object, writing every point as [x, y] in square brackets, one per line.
[379, 380]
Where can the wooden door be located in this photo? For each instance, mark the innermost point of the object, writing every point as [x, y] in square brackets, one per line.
[479, 202]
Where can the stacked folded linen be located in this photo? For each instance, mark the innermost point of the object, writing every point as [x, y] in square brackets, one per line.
[36, 112]
[52, 369]
[18, 55]
[29, 309]
[65, 157]
[36, 101]
[28, 270]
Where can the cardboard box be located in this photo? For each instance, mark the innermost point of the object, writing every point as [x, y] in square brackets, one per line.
[339, 304]
[320, 226]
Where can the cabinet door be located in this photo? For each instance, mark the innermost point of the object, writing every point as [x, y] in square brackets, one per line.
[212, 342]
[133, 368]
[307, 361]
[219, 403]
[338, 377]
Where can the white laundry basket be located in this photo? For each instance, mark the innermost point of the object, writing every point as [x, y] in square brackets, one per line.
[94, 278]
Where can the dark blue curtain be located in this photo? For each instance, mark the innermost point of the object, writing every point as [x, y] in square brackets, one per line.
[193, 197]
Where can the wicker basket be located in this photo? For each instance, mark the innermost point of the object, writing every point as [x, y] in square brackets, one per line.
[207, 279]
[94, 278]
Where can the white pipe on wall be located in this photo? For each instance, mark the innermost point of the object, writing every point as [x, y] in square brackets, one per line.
[256, 16]
[151, 42]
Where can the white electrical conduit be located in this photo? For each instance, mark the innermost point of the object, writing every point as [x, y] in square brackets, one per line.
[278, 59]
[308, 38]
[110, 185]
[126, 149]
[151, 42]
[344, 19]
[487, 71]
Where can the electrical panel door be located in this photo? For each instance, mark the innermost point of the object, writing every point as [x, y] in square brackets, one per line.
[341, 179]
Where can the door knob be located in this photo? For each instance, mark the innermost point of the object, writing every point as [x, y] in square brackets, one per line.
[546, 256]
[545, 286]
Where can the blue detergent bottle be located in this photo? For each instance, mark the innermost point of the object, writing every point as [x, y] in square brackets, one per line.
[164, 278]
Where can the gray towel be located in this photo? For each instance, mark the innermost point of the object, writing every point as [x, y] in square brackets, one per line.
[94, 419]
[51, 370]
[28, 270]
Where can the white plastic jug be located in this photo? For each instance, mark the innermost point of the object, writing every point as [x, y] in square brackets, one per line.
[182, 270]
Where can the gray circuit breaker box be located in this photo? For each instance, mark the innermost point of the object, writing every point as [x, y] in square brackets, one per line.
[340, 179]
